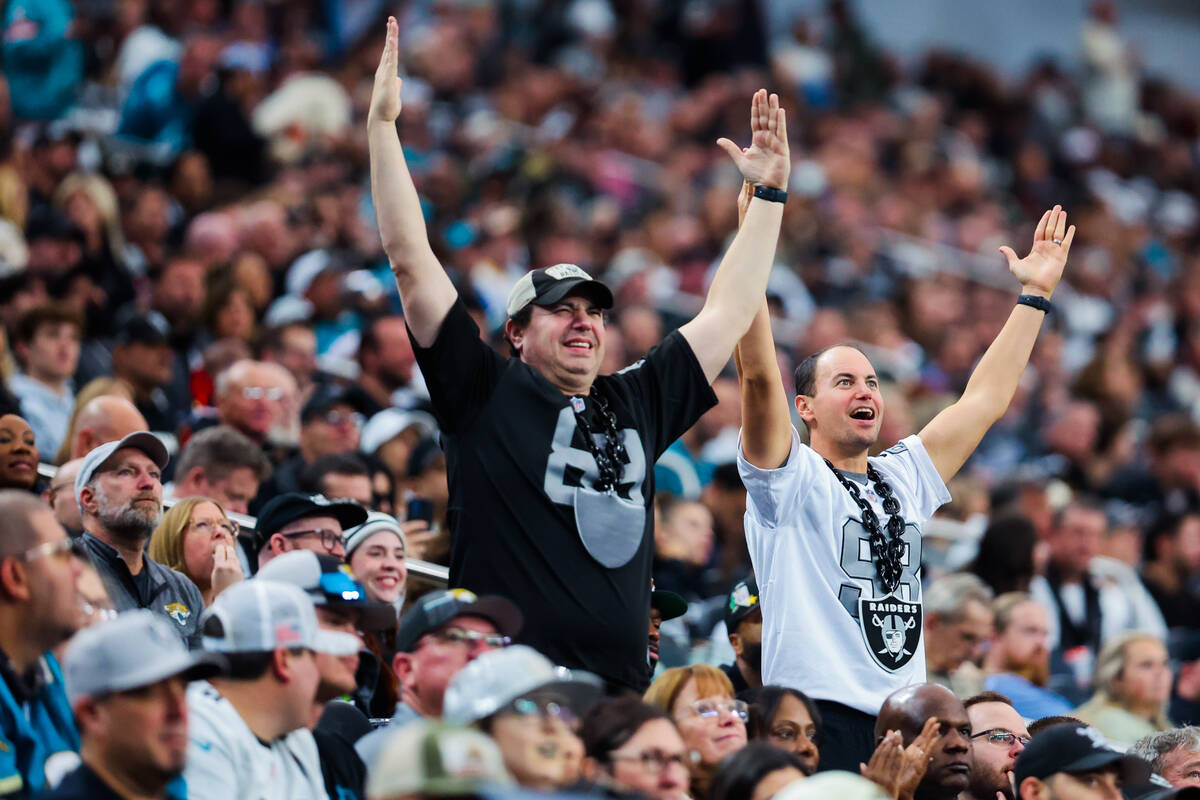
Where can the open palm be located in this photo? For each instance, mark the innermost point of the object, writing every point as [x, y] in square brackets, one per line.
[385, 96]
[766, 162]
[1043, 267]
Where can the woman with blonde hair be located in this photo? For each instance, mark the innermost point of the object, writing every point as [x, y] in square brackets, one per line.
[1133, 686]
[710, 719]
[196, 538]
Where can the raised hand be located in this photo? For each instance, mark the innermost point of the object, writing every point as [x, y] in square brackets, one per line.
[884, 766]
[385, 96]
[915, 759]
[1040, 271]
[766, 162]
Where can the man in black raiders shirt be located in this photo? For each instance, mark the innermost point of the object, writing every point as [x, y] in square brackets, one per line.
[550, 464]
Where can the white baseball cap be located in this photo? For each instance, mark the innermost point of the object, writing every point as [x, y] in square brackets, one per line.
[135, 649]
[496, 678]
[258, 615]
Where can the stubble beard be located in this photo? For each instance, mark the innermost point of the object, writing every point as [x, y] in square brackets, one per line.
[127, 523]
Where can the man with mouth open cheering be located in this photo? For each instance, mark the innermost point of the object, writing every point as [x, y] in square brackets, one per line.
[835, 537]
[550, 463]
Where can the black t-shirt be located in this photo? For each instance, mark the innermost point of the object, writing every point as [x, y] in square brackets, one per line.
[525, 518]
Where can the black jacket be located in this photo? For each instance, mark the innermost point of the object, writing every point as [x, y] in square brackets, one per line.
[165, 590]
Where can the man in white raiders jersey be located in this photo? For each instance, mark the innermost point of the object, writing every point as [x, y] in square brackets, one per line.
[835, 537]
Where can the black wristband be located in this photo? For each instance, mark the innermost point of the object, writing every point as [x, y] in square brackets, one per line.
[770, 194]
[1033, 301]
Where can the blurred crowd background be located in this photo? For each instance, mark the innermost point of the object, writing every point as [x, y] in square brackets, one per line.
[185, 222]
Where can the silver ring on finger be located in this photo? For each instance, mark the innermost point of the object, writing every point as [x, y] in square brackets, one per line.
[1057, 241]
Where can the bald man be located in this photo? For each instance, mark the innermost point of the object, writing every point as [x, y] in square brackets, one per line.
[250, 399]
[59, 494]
[906, 710]
[104, 419]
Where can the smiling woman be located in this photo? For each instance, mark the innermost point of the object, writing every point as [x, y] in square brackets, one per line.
[18, 454]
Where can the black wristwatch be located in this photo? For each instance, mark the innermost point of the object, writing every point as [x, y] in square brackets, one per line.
[770, 194]
[1033, 301]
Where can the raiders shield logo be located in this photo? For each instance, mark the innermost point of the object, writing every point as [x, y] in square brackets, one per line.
[892, 630]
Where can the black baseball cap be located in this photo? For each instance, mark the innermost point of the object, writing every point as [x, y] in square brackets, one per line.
[149, 328]
[437, 608]
[741, 602]
[669, 604]
[1075, 749]
[290, 506]
[327, 395]
[548, 285]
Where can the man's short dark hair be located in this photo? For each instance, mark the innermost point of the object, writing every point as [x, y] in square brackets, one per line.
[986, 697]
[1046, 723]
[806, 372]
[311, 477]
[271, 339]
[520, 319]
[48, 314]
[610, 724]
[368, 338]
[219, 451]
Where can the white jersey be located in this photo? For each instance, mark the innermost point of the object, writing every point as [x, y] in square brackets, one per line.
[225, 760]
[816, 579]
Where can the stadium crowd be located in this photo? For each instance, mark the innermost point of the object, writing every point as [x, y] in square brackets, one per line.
[226, 291]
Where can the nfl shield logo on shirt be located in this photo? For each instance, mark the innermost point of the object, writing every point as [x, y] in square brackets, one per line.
[892, 630]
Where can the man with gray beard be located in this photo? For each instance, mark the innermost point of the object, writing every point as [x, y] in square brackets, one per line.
[119, 491]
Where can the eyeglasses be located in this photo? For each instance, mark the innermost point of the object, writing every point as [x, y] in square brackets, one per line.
[542, 708]
[260, 392]
[65, 545]
[341, 418]
[1001, 736]
[473, 638]
[330, 539]
[712, 709]
[654, 762]
[227, 525]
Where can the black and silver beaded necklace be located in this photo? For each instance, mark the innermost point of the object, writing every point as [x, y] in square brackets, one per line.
[612, 458]
[886, 551]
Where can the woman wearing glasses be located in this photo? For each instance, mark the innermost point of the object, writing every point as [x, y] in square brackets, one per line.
[711, 721]
[634, 747]
[196, 538]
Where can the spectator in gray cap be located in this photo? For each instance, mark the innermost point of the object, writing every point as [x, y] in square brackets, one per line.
[249, 735]
[127, 680]
[39, 610]
[531, 708]
[119, 491]
[442, 633]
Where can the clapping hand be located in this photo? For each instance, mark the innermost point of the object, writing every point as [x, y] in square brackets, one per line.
[899, 769]
[766, 162]
[385, 96]
[1040, 271]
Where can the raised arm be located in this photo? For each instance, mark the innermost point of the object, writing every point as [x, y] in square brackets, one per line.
[766, 418]
[425, 290]
[953, 435]
[741, 281]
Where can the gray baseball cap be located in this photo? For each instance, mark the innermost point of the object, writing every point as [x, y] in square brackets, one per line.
[328, 581]
[498, 677]
[259, 615]
[145, 441]
[134, 649]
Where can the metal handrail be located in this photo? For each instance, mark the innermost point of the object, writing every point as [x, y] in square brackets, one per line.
[434, 573]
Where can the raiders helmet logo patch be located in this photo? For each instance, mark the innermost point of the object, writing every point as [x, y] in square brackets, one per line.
[892, 630]
[178, 612]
